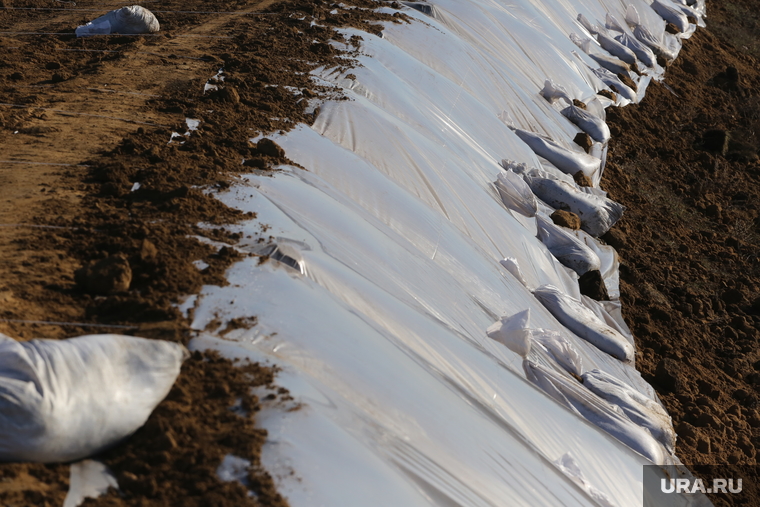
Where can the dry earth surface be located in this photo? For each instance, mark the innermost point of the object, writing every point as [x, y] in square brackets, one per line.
[77, 245]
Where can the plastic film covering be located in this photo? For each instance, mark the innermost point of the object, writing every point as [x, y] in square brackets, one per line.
[387, 276]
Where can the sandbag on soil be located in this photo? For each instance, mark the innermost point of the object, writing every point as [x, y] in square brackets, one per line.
[643, 34]
[127, 20]
[641, 410]
[566, 247]
[587, 122]
[597, 213]
[574, 396]
[641, 50]
[608, 62]
[580, 320]
[63, 400]
[608, 43]
[671, 14]
[567, 161]
[516, 194]
[615, 84]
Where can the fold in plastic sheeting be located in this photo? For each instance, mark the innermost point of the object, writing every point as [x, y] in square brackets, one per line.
[389, 276]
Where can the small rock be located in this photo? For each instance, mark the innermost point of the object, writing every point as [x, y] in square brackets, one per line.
[148, 252]
[52, 66]
[732, 296]
[714, 211]
[16, 76]
[592, 285]
[704, 420]
[671, 28]
[270, 148]
[615, 238]
[582, 180]
[608, 94]
[584, 141]
[566, 219]
[703, 445]
[258, 162]
[667, 374]
[716, 141]
[229, 94]
[106, 276]
[578, 103]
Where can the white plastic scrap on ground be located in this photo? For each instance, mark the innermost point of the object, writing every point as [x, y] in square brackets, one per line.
[404, 248]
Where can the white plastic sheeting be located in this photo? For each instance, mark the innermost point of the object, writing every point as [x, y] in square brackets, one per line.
[388, 276]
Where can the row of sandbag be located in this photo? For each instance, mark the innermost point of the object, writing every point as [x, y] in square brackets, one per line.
[552, 363]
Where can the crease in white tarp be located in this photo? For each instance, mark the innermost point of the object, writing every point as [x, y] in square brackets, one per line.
[397, 232]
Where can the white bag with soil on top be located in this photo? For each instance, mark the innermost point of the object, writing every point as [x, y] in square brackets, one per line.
[63, 400]
[127, 20]
[566, 247]
[597, 213]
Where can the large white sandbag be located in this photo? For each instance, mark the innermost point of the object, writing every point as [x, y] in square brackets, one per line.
[127, 20]
[641, 410]
[567, 161]
[641, 50]
[566, 247]
[580, 320]
[607, 42]
[597, 213]
[63, 400]
[587, 122]
[643, 33]
[671, 14]
[597, 411]
[615, 84]
[607, 61]
[513, 332]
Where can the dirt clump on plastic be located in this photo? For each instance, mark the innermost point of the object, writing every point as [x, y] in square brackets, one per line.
[111, 217]
[684, 163]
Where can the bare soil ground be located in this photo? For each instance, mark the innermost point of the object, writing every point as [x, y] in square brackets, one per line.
[83, 250]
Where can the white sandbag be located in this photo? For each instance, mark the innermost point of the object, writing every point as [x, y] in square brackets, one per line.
[63, 400]
[615, 48]
[587, 122]
[568, 161]
[643, 34]
[559, 348]
[641, 410]
[615, 84]
[690, 12]
[566, 247]
[127, 20]
[579, 399]
[571, 313]
[641, 50]
[516, 194]
[671, 14]
[597, 214]
[568, 466]
[513, 332]
[608, 62]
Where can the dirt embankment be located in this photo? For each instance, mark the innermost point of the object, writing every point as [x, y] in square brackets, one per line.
[99, 211]
[685, 163]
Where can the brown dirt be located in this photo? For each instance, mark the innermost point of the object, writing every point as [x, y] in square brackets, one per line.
[85, 119]
[690, 241]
